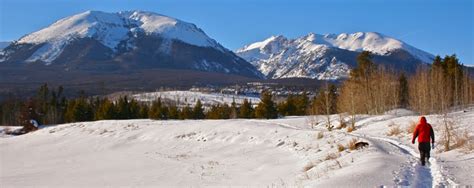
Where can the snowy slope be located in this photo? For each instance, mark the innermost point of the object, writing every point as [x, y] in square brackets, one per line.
[315, 55]
[257, 153]
[190, 98]
[111, 29]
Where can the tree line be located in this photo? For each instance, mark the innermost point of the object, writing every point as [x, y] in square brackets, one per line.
[370, 89]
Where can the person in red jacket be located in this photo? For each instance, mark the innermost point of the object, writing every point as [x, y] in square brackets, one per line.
[424, 132]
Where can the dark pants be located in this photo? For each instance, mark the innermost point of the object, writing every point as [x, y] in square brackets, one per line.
[424, 148]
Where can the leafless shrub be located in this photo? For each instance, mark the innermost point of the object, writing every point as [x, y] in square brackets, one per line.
[453, 139]
[331, 156]
[394, 131]
[342, 122]
[462, 140]
[411, 127]
[352, 144]
[312, 120]
[447, 132]
[469, 146]
[350, 128]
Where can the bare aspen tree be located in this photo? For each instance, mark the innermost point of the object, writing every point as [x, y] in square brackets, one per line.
[328, 108]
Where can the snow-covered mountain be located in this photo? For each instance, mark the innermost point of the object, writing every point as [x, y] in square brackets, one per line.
[327, 56]
[126, 39]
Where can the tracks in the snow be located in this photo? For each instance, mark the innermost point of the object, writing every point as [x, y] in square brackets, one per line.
[411, 174]
[422, 176]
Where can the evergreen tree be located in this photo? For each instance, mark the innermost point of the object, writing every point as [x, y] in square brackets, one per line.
[174, 112]
[123, 109]
[213, 112]
[134, 109]
[158, 110]
[106, 110]
[79, 110]
[403, 90]
[219, 111]
[301, 104]
[198, 111]
[288, 107]
[11, 108]
[186, 113]
[266, 108]
[42, 103]
[365, 67]
[246, 110]
[144, 109]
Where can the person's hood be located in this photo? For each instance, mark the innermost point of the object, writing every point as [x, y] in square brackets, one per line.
[423, 120]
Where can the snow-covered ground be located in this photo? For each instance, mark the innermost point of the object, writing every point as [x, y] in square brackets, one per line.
[183, 98]
[294, 151]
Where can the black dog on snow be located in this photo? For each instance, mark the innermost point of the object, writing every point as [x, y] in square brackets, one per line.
[360, 145]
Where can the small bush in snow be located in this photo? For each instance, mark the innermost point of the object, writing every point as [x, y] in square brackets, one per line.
[462, 140]
[411, 127]
[342, 122]
[320, 135]
[331, 156]
[352, 144]
[340, 147]
[469, 146]
[394, 131]
[350, 128]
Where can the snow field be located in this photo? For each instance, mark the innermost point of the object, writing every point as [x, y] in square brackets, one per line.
[238, 152]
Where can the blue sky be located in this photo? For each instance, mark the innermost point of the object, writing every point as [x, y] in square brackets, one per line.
[436, 26]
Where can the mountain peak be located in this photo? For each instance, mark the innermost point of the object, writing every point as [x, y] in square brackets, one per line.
[111, 29]
[262, 44]
[127, 40]
[317, 56]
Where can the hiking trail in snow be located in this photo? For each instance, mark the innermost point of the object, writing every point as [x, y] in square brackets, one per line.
[413, 173]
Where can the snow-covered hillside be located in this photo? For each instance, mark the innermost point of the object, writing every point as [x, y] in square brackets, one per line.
[295, 151]
[131, 40]
[183, 98]
[111, 29]
[320, 56]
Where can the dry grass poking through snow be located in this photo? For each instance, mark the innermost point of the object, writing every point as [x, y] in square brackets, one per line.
[340, 147]
[394, 131]
[320, 135]
[453, 138]
[350, 129]
[464, 141]
[411, 127]
[331, 156]
[352, 144]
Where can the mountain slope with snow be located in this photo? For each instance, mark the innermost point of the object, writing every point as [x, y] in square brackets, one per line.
[324, 56]
[112, 28]
[106, 42]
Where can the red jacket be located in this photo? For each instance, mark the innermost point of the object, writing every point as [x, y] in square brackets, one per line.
[423, 131]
